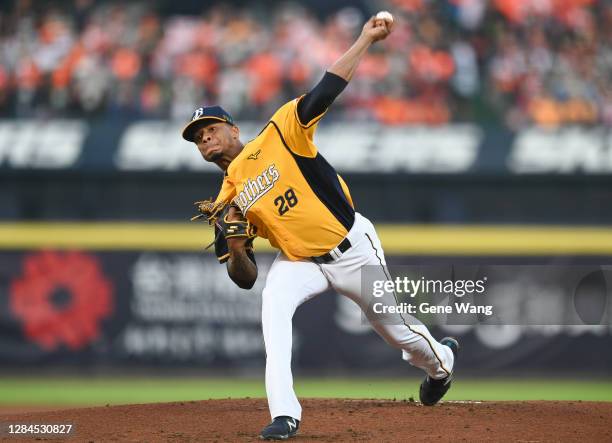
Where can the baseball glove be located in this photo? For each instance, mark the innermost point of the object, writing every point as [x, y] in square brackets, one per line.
[217, 215]
[208, 209]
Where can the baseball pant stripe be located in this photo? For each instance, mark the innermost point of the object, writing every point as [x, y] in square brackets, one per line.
[402, 317]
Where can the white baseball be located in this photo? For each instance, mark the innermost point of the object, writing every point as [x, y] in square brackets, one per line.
[384, 15]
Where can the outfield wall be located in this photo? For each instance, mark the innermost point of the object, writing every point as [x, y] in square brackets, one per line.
[145, 296]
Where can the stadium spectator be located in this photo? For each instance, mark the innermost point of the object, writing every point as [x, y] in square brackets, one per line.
[514, 62]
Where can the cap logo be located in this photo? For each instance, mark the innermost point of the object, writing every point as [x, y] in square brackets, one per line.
[197, 114]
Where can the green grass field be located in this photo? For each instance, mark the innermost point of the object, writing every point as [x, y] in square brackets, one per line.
[107, 390]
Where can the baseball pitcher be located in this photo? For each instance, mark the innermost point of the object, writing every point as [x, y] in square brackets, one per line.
[279, 187]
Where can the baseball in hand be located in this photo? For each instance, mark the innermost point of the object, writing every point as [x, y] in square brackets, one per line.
[385, 15]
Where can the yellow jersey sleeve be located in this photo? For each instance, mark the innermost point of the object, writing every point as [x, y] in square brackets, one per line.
[227, 192]
[297, 135]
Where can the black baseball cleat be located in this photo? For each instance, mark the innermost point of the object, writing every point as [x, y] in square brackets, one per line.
[432, 390]
[281, 428]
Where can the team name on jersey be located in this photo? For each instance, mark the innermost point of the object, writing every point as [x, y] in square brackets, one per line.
[255, 188]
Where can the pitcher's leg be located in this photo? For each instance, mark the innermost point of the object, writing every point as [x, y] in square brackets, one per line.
[406, 332]
[288, 285]
[420, 349]
[402, 331]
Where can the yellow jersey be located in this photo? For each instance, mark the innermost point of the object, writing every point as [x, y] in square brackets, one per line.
[285, 187]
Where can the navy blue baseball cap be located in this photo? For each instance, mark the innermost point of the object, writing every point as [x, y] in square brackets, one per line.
[204, 116]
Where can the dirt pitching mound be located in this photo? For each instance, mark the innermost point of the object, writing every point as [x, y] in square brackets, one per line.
[331, 420]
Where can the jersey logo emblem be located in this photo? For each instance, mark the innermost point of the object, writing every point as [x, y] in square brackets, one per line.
[256, 187]
[197, 114]
[254, 155]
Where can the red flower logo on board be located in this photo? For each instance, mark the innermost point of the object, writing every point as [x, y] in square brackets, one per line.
[61, 298]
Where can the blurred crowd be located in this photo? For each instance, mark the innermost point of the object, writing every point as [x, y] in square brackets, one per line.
[510, 62]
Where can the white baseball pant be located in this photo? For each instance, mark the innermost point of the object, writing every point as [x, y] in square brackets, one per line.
[291, 283]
